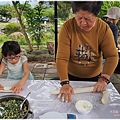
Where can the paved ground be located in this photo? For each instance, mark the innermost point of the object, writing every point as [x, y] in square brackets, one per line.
[43, 71]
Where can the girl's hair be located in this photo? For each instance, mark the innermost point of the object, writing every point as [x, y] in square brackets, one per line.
[10, 48]
[90, 6]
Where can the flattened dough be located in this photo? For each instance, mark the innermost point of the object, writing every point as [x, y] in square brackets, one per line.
[7, 88]
[76, 90]
[104, 99]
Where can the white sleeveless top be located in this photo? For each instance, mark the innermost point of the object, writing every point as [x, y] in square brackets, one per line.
[15, 71]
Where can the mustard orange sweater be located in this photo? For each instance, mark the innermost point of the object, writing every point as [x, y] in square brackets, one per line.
[80, 52]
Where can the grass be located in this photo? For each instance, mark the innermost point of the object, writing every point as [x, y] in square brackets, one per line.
[3, 24]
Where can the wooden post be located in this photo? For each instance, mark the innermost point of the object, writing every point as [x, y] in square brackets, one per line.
[56, 32]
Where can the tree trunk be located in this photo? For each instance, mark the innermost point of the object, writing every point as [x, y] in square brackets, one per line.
[22, 25]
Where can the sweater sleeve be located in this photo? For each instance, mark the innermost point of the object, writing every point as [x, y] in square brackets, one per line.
[110, 53]
[63, 53]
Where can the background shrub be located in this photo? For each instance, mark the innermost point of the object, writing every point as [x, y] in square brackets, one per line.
[11, 28]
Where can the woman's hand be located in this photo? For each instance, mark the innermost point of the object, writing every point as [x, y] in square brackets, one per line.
[1, 87]
[17, 88]
[100, 86]
[65, 93]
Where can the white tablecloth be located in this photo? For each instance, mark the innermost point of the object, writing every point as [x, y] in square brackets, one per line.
[41, 101]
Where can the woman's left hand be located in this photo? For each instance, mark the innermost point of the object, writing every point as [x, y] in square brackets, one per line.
[17, 88]
[100, 86]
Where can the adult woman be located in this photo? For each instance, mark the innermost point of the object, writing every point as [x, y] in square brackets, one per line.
[82, 41]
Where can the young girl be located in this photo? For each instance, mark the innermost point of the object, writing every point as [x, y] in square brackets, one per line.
[16, 63]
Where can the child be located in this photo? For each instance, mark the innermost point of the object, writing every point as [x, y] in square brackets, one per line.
[16, 63]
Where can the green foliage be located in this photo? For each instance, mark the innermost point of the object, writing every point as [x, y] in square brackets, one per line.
[12, 27]
[5, 13]
[34, 22]
[4, 38]
[3, 24]
[11, 10]
[48, 37]
[64, 9]
[22, 41]
[119, 41]
[49, 13]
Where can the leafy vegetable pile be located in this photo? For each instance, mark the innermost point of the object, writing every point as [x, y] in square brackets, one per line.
[12, 109]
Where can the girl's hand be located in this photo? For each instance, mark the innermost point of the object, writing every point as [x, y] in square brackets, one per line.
[1, 87]
[17, 88]
[65, 93]
[100, 86]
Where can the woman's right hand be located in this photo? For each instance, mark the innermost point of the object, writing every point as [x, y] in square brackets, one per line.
[65, 93]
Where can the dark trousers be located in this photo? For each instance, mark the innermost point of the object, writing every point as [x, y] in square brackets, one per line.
[93, 79]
